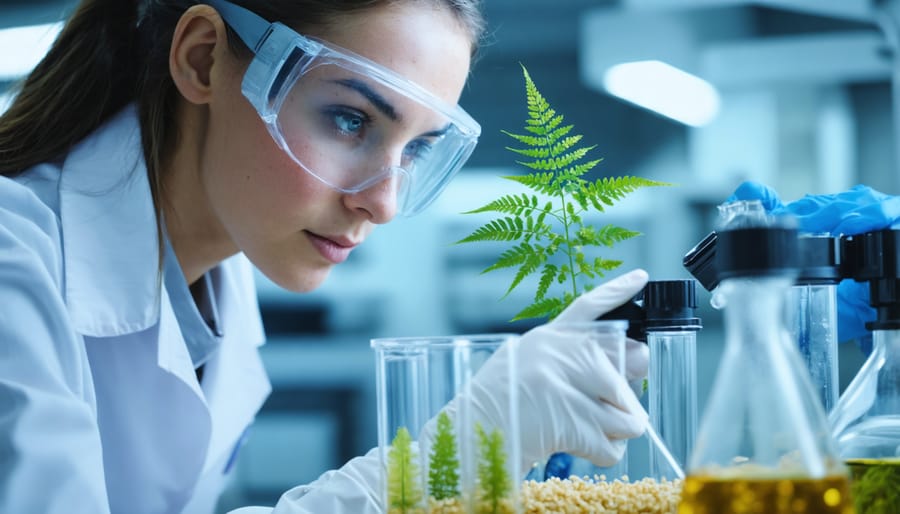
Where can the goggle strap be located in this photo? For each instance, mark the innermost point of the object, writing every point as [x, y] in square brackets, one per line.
[250, 27]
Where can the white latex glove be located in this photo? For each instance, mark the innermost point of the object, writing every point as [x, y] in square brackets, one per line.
[572, 399]
[571, 396]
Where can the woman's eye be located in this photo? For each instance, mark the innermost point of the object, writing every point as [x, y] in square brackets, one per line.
[417, 149]
[349, 122]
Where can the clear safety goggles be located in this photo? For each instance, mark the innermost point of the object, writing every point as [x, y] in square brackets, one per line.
[348, 121]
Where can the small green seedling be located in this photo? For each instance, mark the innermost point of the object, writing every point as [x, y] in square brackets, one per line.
[404, 492]
[443, 474]
[493, 478]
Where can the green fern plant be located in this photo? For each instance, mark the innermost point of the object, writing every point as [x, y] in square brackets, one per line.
[493, 478]
[443, 473]
[549, 223]
[404, 492]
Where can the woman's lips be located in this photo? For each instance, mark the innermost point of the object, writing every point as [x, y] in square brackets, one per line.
[333, 251]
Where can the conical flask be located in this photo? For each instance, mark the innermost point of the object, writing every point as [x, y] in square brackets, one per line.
[866, 419]
[763, 446]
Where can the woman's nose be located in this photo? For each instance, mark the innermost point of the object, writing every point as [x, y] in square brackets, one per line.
[379, 202]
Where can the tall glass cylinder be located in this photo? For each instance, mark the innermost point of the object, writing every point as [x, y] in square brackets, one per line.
[672, 383]
[436, 458]
[673, 396]
[812, 313]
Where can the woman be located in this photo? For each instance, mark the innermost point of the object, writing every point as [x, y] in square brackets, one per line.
[159, 147]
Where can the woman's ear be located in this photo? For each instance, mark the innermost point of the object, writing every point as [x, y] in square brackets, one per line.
[200, 37]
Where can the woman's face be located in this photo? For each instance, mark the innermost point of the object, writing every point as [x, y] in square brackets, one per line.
[290, 224]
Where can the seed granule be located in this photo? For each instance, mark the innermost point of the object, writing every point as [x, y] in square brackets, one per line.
[576, 495]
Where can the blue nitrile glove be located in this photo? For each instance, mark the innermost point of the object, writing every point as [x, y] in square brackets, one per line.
[558, 465]
[858, 210]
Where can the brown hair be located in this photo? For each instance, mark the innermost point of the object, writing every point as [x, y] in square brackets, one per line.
[114, 52]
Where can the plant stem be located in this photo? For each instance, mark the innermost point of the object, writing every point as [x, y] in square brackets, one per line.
[562, 197]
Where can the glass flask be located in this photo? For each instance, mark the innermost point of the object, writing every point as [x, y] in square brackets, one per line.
[763, 446]
[866, 419]
[672, 383]
[434, 462]
[812, 313]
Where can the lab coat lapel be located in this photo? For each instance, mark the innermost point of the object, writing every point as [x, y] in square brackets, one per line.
[109, 232]
[235, 380]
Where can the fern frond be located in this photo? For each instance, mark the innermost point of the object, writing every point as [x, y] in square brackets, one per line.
[531, 264]
[601, 265]
[563, 161]
[510, 204]
[580, 169]
[503, 229]
[562, 146]
[611, 189]
[547, 275]
[515, 256]
[540, 309]
[555, 134]
[611, 234]
[534, 153]
[559, 162]
[539, 182]
[525, 140]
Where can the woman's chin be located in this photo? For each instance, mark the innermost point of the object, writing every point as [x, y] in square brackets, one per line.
[300, 281]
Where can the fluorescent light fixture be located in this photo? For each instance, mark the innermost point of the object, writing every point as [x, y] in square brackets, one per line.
[21, 48]
[664, 89]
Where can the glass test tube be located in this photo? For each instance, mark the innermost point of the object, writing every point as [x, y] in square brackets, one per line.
[416, 378]
[672, 384]
[812, 313]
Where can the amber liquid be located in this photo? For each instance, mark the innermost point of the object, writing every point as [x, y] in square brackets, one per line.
[713, 495]
[876, 485]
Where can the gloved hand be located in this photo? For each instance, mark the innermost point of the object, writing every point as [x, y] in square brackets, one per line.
[855, 211]
[571, 398]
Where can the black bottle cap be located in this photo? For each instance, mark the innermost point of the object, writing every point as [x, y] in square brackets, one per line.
[871, 256]
[670, 305]
[884, 296]
[874, 257]
[820, 259]
[700, 261]
[756, 252]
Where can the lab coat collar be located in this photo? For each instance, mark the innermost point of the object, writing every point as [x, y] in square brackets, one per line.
[109, 232]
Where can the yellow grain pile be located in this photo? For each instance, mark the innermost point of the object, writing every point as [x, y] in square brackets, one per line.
[578, 496]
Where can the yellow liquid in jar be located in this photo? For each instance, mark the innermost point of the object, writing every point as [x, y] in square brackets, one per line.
[713, 495]
[875, 485]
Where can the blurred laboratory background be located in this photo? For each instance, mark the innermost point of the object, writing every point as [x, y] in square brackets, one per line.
[700, 93]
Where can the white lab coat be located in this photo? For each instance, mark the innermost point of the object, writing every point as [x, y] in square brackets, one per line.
[100, 407]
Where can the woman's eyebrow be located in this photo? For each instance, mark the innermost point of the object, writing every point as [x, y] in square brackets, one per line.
[377, 100]
[438, 133]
